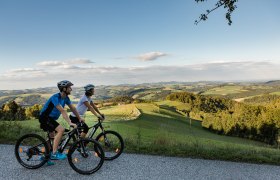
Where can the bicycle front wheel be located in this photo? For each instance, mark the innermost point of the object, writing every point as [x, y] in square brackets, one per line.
[31, 151]
[112, 144]
[86, 156]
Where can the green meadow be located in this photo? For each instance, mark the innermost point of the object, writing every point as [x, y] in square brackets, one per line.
[157, 128]
[276, 93]
[224, 90]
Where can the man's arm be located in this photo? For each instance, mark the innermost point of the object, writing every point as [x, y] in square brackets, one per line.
[74, 110]
[65, 116]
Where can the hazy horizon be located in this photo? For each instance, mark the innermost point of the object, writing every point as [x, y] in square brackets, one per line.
[159, 82]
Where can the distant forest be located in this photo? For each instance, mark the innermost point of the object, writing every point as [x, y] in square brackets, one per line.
[228, 117]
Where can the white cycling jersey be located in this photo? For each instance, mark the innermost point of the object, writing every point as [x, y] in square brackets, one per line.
[81, 107]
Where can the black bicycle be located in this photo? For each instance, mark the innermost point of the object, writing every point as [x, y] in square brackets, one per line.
[111, 142]
[85, 155]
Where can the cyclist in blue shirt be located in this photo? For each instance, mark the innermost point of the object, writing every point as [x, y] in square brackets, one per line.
[51, 111]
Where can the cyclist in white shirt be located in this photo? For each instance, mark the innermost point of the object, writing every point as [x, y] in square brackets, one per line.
[83, 105]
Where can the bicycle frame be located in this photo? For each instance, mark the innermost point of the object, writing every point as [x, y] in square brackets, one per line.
[74, 134]
[94, 129]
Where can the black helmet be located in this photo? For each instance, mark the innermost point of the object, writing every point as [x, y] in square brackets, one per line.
[64, 84]
[89, 87]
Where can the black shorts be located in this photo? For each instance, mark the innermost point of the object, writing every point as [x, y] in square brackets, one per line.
[48, 123]
[76, 121]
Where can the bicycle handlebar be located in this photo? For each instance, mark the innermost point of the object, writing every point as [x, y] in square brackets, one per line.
[103, 117]
[81, 123]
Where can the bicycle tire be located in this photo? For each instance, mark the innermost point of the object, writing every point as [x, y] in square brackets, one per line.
[41, 151]
[108, 149]
[75, 156]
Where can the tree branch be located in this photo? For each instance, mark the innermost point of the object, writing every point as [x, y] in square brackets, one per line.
[228, 4]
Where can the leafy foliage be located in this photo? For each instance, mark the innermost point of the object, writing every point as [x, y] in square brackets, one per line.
[33, 111]
[228, 117]
[229, 5]
[12, 111]
[265, 99]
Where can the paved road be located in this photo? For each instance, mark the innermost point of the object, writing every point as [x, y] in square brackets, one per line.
[132, 166]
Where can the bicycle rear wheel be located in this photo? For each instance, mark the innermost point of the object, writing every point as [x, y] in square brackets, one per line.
[112, 144]
[86, 156]
[31, 151]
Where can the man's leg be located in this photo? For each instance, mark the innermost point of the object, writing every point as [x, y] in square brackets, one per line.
[83, 135]
[50, 142]
[60, 130]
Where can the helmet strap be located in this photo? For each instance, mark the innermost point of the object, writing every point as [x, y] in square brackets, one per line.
[89, 93]
[65, 91]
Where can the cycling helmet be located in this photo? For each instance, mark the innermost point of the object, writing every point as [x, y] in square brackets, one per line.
[64, 84]
[89, 87]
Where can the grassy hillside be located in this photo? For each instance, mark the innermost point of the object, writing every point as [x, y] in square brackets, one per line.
[116, 113]
[276, 93]
[158, 129]
[225, 90]
[240, 92]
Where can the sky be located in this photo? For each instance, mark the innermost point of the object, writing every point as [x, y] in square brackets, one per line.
[109, 42]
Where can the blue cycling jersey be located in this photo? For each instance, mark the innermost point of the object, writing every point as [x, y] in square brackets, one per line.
[50, 109]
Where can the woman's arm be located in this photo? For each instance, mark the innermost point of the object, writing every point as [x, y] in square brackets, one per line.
[86, 103]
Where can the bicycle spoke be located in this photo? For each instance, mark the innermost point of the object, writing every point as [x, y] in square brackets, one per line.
[85, 158]
[112, 144]
[30, 151]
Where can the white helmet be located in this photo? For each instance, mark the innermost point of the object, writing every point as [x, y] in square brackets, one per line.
[89, 87]
[64, 84]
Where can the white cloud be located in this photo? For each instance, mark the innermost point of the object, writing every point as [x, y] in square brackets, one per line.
[219, 71]
[151, 56]
[50, 63]
[80, 61]
[67, 66]
[77, 61]
[23, 73]
[20, 70]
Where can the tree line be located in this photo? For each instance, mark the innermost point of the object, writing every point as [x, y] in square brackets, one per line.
[12, 111]
[228, 117]
[15, 112]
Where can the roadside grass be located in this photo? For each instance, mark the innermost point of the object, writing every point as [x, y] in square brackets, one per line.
[160, 130]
